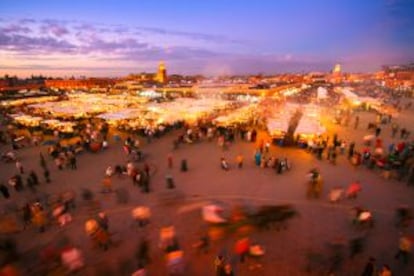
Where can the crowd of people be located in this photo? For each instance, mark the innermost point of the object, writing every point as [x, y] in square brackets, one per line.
[44, 212]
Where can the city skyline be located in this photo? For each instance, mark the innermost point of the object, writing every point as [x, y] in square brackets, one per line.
[108, 38]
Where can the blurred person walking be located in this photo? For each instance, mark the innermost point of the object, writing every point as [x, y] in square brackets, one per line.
[4, 191]
[404, 249]
[19, 166]
[239, 161]
[369, 269]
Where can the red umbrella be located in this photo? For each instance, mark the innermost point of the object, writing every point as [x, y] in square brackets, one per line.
[242, 246]
[353, 188]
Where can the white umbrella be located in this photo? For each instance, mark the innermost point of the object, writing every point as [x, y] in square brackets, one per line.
[210, 214]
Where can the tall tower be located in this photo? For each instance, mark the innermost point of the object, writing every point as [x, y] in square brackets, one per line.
[337, 69]
[336, 74]
[162, 73]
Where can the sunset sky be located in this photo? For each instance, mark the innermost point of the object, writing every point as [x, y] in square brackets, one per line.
[114, 38]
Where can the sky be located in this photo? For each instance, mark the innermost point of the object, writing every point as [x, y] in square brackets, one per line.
[212, 37]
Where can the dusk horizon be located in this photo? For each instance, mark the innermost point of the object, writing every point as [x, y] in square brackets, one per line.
[111, 39]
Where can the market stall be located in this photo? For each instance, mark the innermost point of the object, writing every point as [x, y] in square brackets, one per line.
[27, 120]
[237, 116]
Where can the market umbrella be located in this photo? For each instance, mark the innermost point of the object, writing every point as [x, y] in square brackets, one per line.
[95, 146]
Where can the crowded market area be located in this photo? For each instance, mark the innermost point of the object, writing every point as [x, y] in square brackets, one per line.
[128, 184]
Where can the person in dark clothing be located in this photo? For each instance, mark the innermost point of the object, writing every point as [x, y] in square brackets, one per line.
[279, 167]
[184, 166]
[377, 131]
[369, 267]
[169, 181]
[335, 139]
[410, 176]
[142, 253]
[319, 152]
[73, 162]
[333, 157]
[19, 183]
[356, 246]
[46, 174]
[8, 247]
[147, 169]
[42, 161]
[4, 190]
[403, 132]
[118, 170]
[87, 194]
[14, 146]
[34, 178]
[351, 150]
[145, 183]
[30, 184]
[27, 215]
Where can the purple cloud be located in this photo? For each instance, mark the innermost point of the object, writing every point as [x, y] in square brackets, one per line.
[14, 28]
[27, 21]
[192, 35]
[154, 54]
[188, 53]
[47, 37]
[120, 44]
[96, 44]
[23, 43]
[84, 27]
[121, 29]
[37, 66]
[54, 28]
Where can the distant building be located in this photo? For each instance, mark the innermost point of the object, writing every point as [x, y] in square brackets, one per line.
[3, 83]
[161, 73]
[10, 84]
[149, 79]
[141, 77]
[399, 68]
[398, 76]
[315, 77]
[79, 83]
